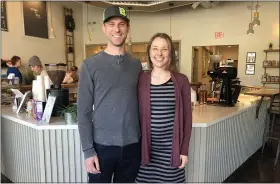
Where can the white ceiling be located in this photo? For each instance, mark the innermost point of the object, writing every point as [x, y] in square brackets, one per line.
[153, 6]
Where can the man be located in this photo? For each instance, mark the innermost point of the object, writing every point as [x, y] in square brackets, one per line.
[36, 66]
[110, 134]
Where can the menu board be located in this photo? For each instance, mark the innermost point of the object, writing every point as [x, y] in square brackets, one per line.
[35, 18]
[4, 25]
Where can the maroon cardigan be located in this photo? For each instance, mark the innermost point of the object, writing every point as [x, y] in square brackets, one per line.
[182, 122]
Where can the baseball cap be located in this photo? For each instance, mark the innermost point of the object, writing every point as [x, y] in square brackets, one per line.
[114, 11]
[34, 61]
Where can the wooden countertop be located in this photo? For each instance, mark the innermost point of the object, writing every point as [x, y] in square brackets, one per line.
[264, 92]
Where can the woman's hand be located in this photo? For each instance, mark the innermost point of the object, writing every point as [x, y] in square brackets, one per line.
[184, 161]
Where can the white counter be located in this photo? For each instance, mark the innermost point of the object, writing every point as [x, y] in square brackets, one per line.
[207, 115]
[222, 139]
[55, 122]
[203, 115]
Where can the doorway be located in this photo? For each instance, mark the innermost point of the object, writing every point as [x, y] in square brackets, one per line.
[201, 63]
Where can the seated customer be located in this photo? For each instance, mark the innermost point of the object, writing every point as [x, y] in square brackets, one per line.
[71, 76]
[13, 68]
[36, 66]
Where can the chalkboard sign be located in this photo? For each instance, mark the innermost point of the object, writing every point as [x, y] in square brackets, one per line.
[35, 18]
[4, 25]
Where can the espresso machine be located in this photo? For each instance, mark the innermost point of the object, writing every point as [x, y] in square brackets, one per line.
[57, 73]
[230, 87]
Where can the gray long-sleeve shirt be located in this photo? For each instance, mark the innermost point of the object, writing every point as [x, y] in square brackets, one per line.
[109, 83]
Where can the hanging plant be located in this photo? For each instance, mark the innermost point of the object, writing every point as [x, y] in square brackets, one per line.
[69, 23]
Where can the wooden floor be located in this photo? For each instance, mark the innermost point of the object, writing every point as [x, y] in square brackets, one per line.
[259, 167]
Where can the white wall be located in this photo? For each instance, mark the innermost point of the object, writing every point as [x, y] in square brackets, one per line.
[198, 27]
[14, 42]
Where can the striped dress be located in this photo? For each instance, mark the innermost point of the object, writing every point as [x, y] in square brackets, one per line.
[159, 170]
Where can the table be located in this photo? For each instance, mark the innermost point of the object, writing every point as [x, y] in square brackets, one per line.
[265, 92]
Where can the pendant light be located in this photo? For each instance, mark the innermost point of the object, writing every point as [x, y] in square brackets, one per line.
[52, 34]
[256, 21]
[251, 30]
[216, 58]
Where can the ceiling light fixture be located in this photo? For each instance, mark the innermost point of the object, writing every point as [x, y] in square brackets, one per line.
[256, 21]
[195, 4]
[251, 30]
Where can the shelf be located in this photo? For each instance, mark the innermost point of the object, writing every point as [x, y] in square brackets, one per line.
[270, 82]
[271, 66]
[272, 50]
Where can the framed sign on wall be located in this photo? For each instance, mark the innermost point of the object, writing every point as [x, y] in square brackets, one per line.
[35, 19]
[251, 57]
[250, 69]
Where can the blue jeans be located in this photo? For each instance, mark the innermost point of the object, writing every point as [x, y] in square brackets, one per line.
[122, 162]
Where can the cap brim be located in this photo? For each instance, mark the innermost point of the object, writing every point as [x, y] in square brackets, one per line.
[124, 18]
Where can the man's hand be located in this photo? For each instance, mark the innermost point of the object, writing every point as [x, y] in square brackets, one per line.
[184, 161]
[92, 165]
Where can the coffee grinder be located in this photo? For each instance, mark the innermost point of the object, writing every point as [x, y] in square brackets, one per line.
[214, 83]
[57, 73]
[213, 73]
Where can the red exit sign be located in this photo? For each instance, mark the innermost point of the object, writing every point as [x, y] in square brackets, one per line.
[219, 35]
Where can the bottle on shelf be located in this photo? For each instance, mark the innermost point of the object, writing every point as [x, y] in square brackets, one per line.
[203, 94]
[200, 95]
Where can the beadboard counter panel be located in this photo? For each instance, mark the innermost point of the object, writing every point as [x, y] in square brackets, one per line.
[32, 152]
[32, 155]
[218, 150]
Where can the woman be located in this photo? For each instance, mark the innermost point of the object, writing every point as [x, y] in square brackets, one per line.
[71, 76]
[14, 67]
[165, 115]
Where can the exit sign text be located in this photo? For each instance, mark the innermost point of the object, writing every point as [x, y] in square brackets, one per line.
[219, 35]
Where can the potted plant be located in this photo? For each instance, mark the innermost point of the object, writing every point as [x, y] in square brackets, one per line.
[270, 46]
[70, 113]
